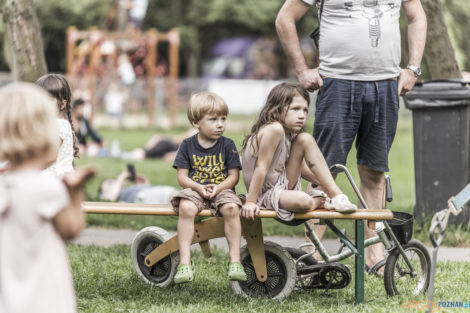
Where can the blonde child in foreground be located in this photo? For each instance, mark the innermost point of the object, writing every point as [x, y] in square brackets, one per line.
[277, 153]
[208, 168]
[58, 87]
[37, 210]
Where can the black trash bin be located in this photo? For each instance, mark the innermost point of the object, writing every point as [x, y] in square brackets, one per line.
[441, 133]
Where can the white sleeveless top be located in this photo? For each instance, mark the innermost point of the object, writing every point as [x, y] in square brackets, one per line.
[64, 161]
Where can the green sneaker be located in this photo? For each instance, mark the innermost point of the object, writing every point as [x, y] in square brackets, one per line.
[236, 272]
[184, 274]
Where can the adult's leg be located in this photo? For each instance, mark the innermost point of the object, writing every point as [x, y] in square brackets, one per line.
[187, 212]
[372, 186]
[233, 229]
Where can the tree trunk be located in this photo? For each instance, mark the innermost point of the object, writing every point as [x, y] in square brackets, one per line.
[439, 53]
[23, 40]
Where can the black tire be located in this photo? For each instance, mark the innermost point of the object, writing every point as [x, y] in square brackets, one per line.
[163, 272]
[397, 276]
[281, 274]
[297, 253]
[305, 281]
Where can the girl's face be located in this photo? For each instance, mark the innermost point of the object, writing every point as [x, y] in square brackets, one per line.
[296, 114]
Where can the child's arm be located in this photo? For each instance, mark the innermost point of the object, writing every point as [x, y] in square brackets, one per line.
[70, 220]
[230, 181]
[182, 175]
[269, 138]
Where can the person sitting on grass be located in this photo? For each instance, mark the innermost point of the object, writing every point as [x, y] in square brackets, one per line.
[208, 167]
[134, 188]
[83, 129]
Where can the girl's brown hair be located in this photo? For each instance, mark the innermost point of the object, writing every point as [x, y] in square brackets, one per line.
[279, 99]
[58, 86]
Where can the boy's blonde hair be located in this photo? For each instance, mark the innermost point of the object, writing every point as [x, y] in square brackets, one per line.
[28, 126]
[203, 103]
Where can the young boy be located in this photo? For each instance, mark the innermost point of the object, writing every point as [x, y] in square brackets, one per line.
[208, 168]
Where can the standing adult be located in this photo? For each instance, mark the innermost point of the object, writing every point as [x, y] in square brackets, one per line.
[359, 80]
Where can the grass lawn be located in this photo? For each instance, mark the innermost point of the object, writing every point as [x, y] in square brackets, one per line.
[161, 173]
[106, 282]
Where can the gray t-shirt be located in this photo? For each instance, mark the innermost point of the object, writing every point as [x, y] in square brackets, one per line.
[360, 39]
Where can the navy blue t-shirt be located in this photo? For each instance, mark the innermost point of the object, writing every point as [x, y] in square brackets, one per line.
[207, 166]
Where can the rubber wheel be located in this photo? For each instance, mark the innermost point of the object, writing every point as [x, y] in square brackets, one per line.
[281, 274]
[305, 281]
[297, 253]
[161, 273]
[397, 276]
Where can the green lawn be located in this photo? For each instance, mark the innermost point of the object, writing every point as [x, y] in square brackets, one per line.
[161, 173]
[105, 282]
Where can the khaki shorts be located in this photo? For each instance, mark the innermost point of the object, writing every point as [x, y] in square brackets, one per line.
[223, 197]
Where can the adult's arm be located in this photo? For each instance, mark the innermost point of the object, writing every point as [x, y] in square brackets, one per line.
[417, 26]
[289, 14]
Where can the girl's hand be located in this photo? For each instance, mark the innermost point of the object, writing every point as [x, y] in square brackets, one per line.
[250, 210]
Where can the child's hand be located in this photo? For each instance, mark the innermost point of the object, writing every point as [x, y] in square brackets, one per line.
[76, 180]
[250, 210]
[213, 190]
[204, 191]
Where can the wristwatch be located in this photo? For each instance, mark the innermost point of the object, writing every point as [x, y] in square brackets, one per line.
[415, 69]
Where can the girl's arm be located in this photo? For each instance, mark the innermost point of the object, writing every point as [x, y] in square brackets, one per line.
[269, 138]
[228, 183]
[71, 220]
[182, 175]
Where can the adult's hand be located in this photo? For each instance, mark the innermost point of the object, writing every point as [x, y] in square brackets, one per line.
[310, 79]
[250, 210]
[406, 81]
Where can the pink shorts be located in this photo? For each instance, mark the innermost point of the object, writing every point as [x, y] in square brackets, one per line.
[223, 197]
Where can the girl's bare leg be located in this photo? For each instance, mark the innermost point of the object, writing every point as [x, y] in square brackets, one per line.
[298, 201]
[304, 147]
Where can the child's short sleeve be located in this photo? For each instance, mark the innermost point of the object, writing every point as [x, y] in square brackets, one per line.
[231, 154]
[182, 156]
[52, 196]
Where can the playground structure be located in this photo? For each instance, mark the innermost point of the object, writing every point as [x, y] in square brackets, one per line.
[87, 51]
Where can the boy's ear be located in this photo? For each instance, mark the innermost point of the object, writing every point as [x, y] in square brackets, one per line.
[195, 124]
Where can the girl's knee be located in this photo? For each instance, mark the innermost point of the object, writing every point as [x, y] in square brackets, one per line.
[304, 139]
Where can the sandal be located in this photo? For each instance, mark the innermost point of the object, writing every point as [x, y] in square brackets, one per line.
[340, 203]
[374, 270]
[236, 272]
[184, 273]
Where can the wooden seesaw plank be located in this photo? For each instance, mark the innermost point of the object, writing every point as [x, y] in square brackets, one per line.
[166, 210]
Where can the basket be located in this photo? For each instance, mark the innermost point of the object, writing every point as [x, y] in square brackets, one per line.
[402, 226]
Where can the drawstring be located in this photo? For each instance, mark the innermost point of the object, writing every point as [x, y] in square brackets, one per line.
[377, 103]
[352, 98]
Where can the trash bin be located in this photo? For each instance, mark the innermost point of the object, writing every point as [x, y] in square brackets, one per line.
[441, 134]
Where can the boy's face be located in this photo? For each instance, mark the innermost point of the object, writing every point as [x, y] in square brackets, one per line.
[211, 126]
[296, 114]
